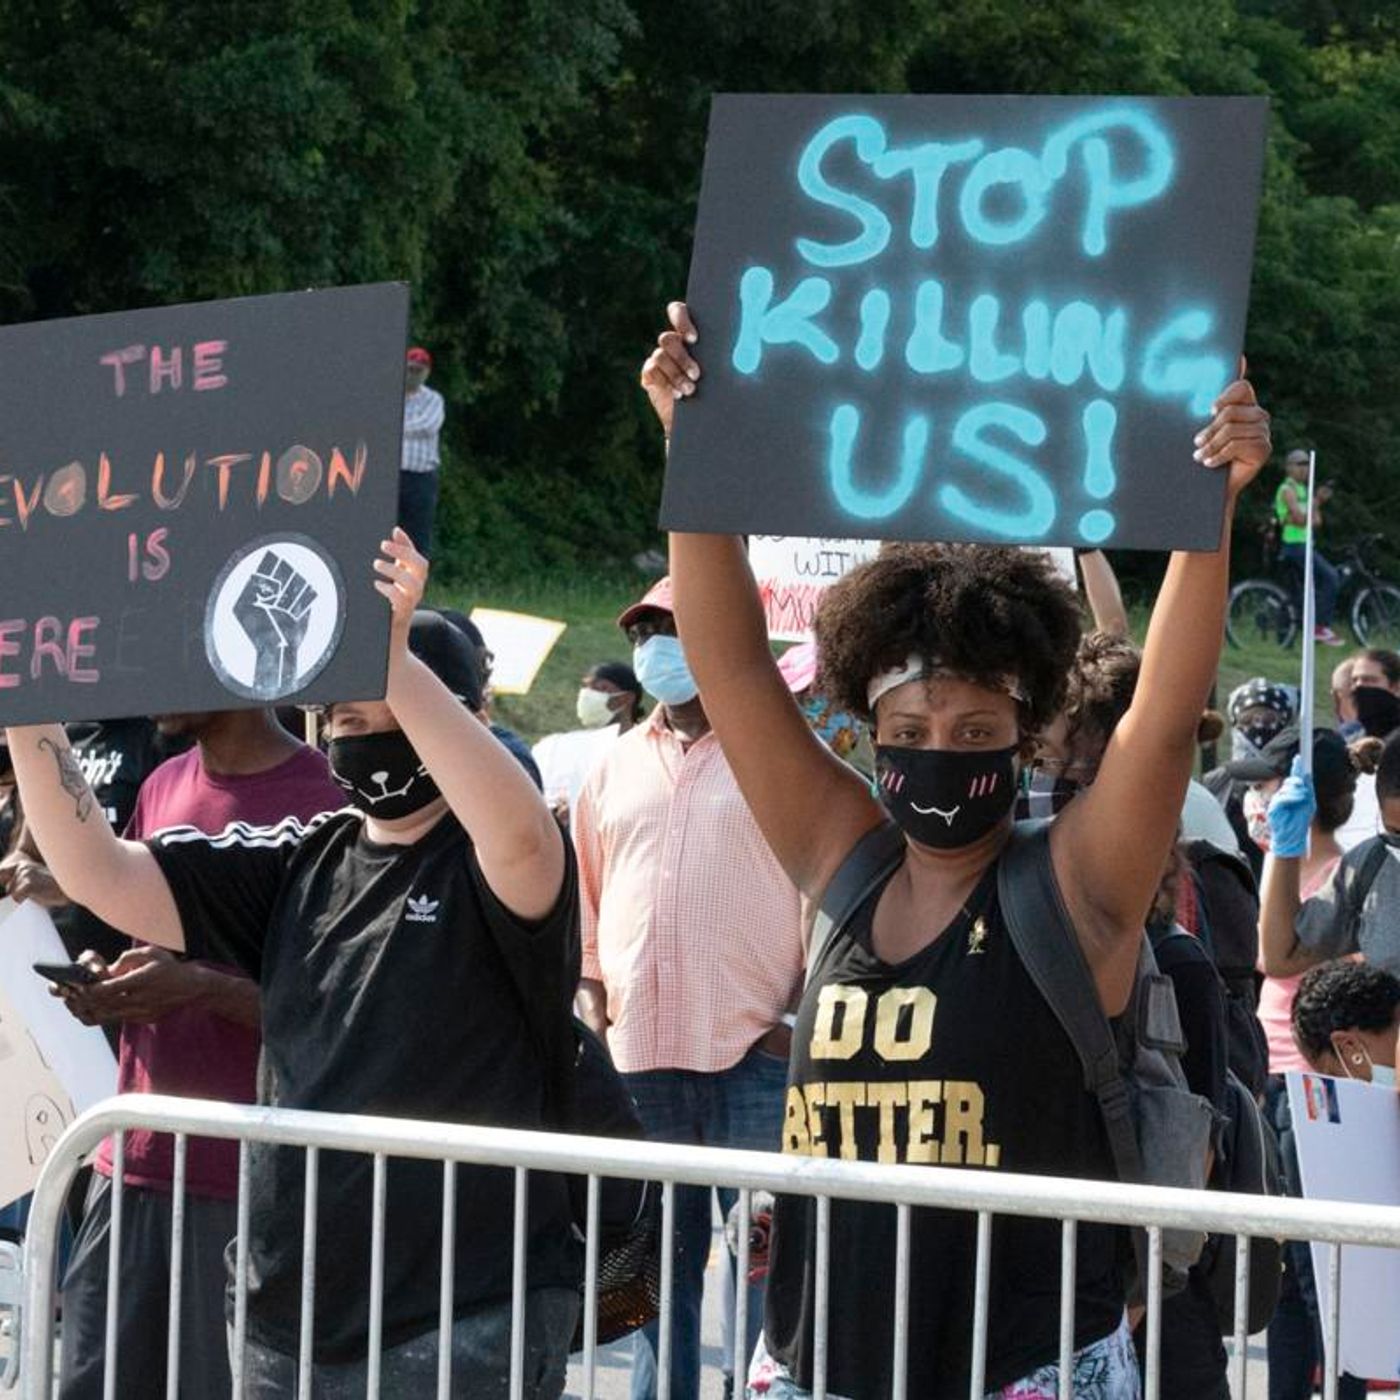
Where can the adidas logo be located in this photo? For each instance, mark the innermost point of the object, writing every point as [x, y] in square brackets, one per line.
[422, 910]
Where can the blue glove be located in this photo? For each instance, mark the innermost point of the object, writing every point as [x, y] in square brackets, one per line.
[1291, 813]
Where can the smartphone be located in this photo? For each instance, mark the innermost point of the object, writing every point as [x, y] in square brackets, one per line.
[67, 974]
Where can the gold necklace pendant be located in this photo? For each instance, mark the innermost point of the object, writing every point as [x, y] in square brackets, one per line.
[977, 937]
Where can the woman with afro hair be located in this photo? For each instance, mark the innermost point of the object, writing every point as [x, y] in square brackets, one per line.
[921, 1037]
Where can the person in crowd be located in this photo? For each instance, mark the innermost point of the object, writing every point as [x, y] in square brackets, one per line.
[1346, 1020]
[1343, 706]
[485, 659]
[1257, 711]
[397, 944]
[958, 655]
[115, 756]
[188, 1028]
[692, 947]
[1376, 668]
[1357, 908]
[1291, 512]
[1069, 750]
[839, 731]
[1102, 686]
[609, 704]
[1294, 1337]
[423, 414]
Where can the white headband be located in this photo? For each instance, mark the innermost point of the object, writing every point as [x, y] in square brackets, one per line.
[915, 668]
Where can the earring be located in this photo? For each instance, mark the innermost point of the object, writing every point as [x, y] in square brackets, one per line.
[1356, 1059]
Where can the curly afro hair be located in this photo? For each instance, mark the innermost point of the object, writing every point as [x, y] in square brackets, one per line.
[1341, 996]
[985, 613]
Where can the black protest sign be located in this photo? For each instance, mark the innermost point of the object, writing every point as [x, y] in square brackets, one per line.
[191, 502]
[966, 318]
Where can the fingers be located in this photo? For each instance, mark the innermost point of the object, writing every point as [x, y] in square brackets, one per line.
[678, 314]
[1236, 424]
[1240, 391]
[94, 962]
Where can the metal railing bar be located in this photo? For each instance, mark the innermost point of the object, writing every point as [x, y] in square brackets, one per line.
[177, 1268]
[374, 1361]
[980, 1297]
[310, 1196]
[114, 1272]
[447, 1284]
[1069, 1281]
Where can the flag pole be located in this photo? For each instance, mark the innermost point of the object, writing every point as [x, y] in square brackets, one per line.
[1308, 687]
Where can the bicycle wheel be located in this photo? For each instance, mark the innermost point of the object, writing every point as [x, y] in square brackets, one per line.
[1260, 615]
[1375, 616]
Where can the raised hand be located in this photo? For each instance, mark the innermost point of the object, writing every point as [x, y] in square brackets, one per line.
[403, 578]
[274, 609]
[671, 372]
[1237, 437]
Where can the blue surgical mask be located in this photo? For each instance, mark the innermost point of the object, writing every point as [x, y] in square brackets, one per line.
[1384, 1075]
[661, 668]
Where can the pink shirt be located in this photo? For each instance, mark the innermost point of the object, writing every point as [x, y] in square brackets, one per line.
[1276, 1001]
[688, 919]
[192, 1052]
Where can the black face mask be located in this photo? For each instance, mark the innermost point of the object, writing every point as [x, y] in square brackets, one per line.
[946, 798]
[1260, 732]
[1377, 709]
[382, 773]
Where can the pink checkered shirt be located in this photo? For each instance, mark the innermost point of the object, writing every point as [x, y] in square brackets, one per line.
[688, 919]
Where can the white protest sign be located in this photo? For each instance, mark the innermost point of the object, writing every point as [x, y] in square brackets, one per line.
[1348, 1136]
[793, 571]
[51, 1067]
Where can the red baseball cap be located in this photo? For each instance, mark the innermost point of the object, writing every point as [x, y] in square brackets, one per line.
[656, 599]
[419, 356]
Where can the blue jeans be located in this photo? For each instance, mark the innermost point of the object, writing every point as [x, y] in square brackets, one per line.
[1326, 580]
[739, 1107]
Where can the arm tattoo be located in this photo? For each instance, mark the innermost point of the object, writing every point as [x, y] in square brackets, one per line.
[70, 779]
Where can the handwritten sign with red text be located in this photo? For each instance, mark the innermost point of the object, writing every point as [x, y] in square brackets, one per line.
[191, 500]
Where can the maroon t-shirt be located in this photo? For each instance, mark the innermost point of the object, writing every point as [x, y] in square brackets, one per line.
[193, 1052]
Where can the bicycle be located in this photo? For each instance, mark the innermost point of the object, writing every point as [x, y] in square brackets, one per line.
[1268, 611]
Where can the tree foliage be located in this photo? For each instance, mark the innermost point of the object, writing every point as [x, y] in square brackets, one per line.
[531, 166]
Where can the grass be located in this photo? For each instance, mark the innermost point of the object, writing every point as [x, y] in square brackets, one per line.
[589, 604]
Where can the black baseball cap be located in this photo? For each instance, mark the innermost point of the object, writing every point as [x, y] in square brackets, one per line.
[1332, 766]
[448, 653]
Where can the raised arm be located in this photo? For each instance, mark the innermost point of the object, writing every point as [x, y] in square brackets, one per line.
[518, 843]
[118, 880]
[787, 775]
[1111, 846]
[1103, 593]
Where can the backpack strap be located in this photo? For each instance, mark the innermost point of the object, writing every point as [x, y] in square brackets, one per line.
[872, 860]
[1048, 946]
[1354, 891]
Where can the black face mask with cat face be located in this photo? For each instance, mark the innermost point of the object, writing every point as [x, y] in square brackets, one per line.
[946, 798]
[382, 773]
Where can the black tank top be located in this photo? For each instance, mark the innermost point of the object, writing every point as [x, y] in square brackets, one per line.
[950, 1058]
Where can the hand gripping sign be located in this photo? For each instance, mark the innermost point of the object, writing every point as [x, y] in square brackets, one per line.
[966, 318]
[190, 502]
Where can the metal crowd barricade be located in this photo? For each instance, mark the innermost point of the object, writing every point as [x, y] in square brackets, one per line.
[985, 1194]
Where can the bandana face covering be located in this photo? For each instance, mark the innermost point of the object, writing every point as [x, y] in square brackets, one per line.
[382, 773]
[946, 798]
[1256, 736]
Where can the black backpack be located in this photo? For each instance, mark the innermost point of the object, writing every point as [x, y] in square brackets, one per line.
[1247, 1160]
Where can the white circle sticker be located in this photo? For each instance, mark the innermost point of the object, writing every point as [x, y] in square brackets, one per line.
[274, 617]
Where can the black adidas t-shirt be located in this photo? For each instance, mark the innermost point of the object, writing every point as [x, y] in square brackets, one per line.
[393, 982]
[951, 1058]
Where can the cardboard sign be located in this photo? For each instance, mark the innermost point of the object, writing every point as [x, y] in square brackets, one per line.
[191, 502]
[966, 318]
[51, 1066]
[1348, 1136]
[793, 571]
[519, 645]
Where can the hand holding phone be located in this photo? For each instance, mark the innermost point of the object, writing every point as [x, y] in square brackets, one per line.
[67, 974]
